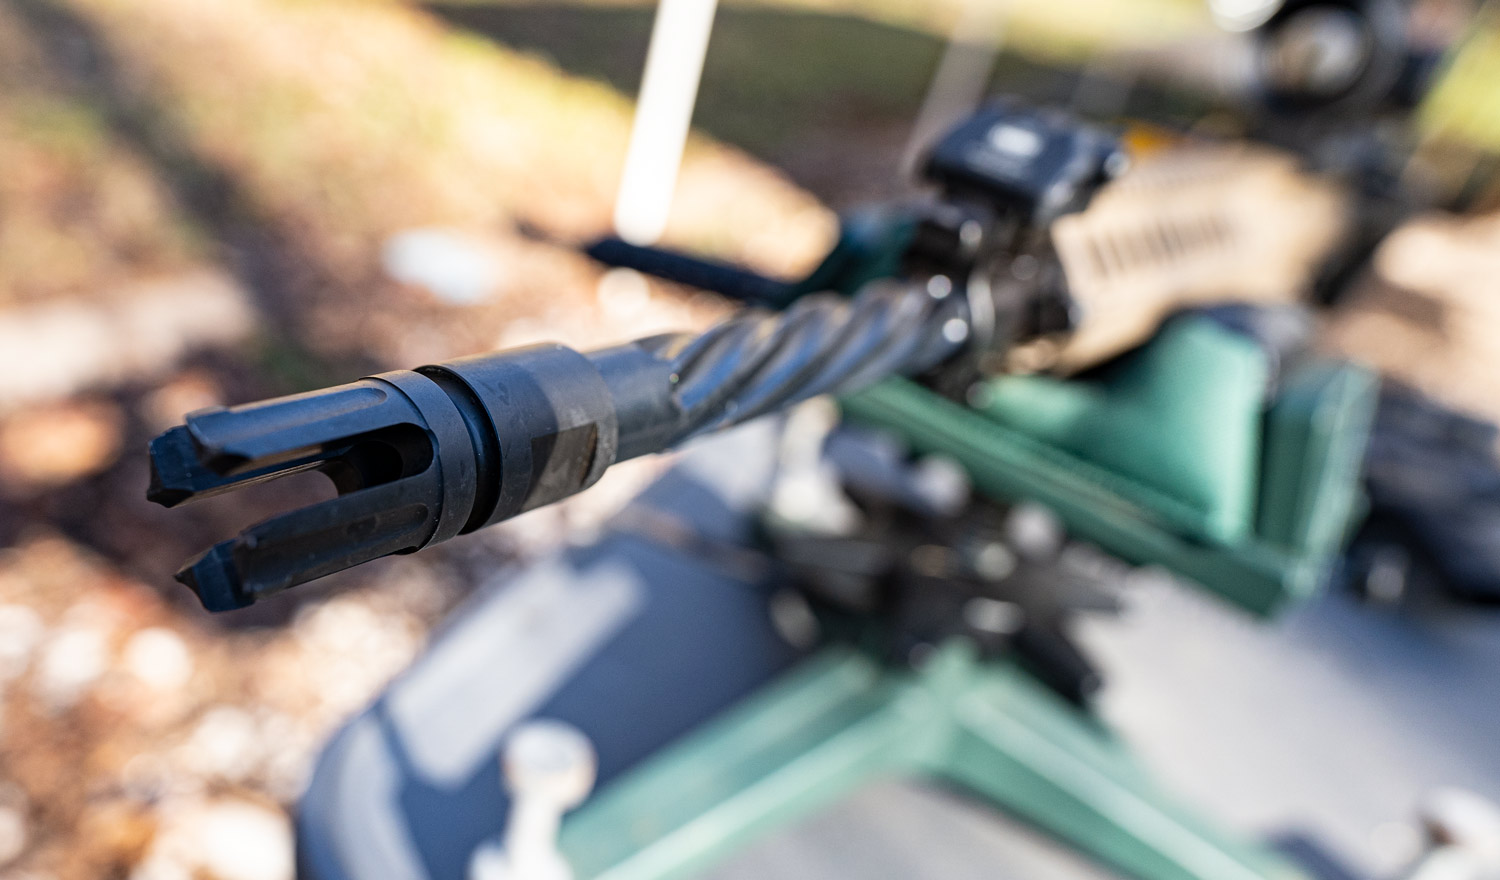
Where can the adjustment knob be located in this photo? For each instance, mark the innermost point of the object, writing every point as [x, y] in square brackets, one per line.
[549, 768]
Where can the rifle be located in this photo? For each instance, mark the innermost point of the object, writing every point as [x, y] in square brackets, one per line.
[991, 271]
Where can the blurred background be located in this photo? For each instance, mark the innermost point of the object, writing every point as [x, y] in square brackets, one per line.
[206, 203]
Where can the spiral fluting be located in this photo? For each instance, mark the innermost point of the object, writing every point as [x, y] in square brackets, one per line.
[758, 362]
[421, 456]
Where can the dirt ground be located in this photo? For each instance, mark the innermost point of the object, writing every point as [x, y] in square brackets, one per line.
[195, 210]
[197, 202]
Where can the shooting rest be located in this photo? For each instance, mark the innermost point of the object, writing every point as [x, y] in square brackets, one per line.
[711, 729]
[842, 720]
[1174, 457]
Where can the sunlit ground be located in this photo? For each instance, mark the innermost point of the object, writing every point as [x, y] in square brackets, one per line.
[194, 208]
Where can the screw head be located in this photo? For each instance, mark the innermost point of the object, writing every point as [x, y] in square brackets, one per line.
[550, 760]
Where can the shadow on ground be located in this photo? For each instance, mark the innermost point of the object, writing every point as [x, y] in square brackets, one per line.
[828, 98]
[106, 510]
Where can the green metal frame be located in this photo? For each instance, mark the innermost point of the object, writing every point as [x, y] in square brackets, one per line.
[1256, 577]
[843, 720]
[1314, 439]
[1314, 435]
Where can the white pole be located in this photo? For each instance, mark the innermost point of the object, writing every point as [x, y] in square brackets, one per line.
[663, 114]
[962, 75]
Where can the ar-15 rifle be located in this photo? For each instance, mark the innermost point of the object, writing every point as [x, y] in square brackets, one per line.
[946, 290]
[421, 456]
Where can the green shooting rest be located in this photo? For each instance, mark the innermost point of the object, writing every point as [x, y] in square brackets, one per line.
[1172, 457]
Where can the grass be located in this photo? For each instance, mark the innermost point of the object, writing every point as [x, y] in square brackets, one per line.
[828, 97]
[783, 47]
[335, 123]
[1050, 30]
[360, 118]
[82, 211]
[1465, 103]
[771, 76]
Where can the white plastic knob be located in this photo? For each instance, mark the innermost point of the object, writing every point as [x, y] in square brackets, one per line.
[550, 761]
[549, 768]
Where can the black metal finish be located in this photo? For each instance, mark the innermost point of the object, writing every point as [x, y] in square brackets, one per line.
[419, 457]
[1031, 166]
[722, 278]
[1433, 482]
[1004, 579]
[393, 445]
[1303, 72]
